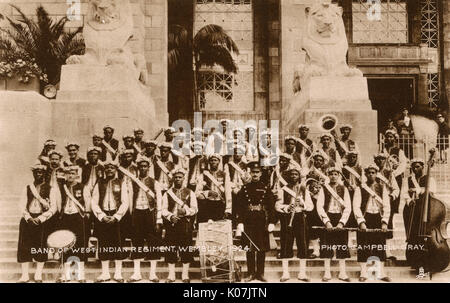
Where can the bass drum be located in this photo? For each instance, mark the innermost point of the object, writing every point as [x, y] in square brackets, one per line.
[60, 241]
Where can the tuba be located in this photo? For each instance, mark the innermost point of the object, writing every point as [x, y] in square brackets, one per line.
[327, 123]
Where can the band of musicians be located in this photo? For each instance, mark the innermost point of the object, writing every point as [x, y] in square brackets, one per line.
[149, 193]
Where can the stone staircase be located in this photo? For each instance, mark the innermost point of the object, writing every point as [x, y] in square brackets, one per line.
[10, 269]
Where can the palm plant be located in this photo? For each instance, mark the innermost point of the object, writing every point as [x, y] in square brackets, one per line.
[45, 42]
[210, 47]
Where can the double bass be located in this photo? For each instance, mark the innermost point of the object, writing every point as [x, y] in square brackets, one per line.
[427, 230]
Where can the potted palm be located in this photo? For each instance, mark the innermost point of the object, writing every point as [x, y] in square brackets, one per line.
[34, 51]
[212, 50]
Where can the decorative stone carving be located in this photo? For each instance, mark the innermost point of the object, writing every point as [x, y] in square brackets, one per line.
[325, 44]
[107, 32]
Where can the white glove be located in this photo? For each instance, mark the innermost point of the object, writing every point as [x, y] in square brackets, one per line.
[240, 229]
[270, 228]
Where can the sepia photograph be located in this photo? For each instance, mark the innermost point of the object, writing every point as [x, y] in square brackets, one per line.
[225, 141]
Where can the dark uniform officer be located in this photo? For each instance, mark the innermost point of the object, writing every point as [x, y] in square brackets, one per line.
[256, 218]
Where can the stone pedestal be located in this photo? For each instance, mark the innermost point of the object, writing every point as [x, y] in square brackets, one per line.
[24, 127]
[92, 96]
[345, 97]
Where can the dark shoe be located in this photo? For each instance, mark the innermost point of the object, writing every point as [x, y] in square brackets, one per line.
[362, 279]
[37, 281]
[102, 280]
[60, 280]
[186, 281]
[304, 280]
[261, 278]
[386, 279]
[27, 281]
[250, 278]
[170, 281]
[133, 280]
[82, 281]
[344, 280]
[155, 280]
[119, 280]
[313, 256]
[325, 279]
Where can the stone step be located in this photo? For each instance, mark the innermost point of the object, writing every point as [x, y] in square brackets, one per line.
[5, 219]
[272, 275]
[273, 269]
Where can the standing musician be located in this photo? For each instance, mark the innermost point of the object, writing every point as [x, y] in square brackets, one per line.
[169, 134]
[128, 145]
[179, 207]
[268, 155]
[90, 174]
[390, 147]
[139, 143]
[180, 159]
[55, 174]
[251, 143]
[319, 166]
[38, 204]
[126, 171]
[290, 143]
[352, 174]
[236, 170]
[197, 134]
[109, 205]
[345, 144]
[97, 142]
[305, 146]
[387, 178]
[146, 220]
[256, 219]
[49, 145]
[110, 145]
[197, 163]
[280, 173]
[55, 171]
[150, 149]
[73, 149]
[414, 204]
[316, 194]
[329, 153]
[73, 210]
[213, 192]
[292, 205]
[164, 164]
[372, 210]
[334, 212]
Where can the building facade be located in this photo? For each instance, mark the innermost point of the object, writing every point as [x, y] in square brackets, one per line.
[402, 47]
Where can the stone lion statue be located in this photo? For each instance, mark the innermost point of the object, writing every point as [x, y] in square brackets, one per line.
[107, 32]
[325, 44]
